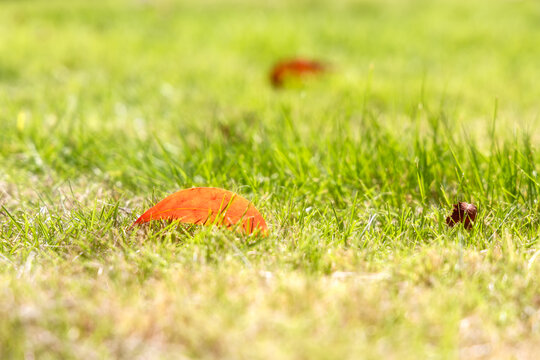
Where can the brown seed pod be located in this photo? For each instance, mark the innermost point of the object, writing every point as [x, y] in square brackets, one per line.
[463, 212]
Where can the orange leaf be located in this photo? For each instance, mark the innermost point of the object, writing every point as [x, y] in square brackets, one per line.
[207, 206]
[294, 68]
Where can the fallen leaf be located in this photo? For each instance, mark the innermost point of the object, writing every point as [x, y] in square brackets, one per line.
[295, 68]
[208, 206]
[463, 212]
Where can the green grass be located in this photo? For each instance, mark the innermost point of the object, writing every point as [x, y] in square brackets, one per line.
[107, 107]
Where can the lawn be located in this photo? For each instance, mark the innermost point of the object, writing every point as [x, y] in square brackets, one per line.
[106, 107]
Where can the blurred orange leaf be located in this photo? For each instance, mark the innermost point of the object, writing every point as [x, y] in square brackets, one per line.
[295, 68]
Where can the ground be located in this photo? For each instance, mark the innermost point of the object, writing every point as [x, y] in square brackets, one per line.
[108, 106]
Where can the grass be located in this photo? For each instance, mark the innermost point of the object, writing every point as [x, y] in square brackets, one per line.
[108, 106]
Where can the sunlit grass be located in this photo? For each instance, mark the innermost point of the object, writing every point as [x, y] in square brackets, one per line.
[108, 107]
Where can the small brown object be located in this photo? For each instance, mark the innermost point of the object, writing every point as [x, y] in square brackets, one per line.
[463, 212]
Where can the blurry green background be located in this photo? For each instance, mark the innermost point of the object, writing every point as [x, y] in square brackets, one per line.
[108, 106]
